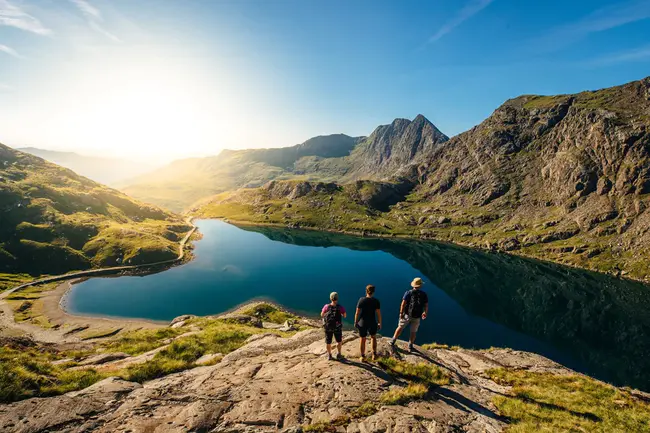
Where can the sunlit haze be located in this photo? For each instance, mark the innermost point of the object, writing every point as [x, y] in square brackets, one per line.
[171, 79]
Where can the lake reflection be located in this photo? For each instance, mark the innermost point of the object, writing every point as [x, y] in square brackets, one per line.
[587, 321]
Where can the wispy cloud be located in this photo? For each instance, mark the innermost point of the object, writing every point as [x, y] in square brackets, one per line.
[94, 17]
[87, 9]
[13, 16]
[5, 87]
[468, 11]
[10, 51]
[600, 20]
[633, 55]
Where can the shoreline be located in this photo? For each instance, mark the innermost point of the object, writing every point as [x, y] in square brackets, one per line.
[423, 239]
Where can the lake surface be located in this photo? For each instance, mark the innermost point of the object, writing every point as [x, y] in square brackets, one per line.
[590, 322]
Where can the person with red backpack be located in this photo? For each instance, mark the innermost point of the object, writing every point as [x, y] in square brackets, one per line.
[333, 315]
[415, 306]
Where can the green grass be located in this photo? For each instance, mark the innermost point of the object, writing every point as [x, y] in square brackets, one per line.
[269, 313]
[432, 346]
[543, 402]
[28, 372]
[401, 396]
[216, 336]
[422, 373]
[9, 281]
[138, 342]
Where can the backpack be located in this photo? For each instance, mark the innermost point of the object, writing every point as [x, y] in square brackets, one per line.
[332, 318]
[416, 304]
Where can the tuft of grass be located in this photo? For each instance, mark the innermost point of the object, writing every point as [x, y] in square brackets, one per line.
[268, 313]
[138, 342]
[367, 409]
[400, 396]
[544, 402]
[421, 372]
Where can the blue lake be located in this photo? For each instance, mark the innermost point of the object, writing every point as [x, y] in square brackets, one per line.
[587, 321]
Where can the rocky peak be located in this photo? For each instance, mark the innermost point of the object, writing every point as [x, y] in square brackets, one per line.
[392, 147]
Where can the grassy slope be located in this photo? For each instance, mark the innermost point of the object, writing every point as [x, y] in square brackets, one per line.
[54, 221]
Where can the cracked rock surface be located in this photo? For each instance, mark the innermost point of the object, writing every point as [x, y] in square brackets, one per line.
[280, 384]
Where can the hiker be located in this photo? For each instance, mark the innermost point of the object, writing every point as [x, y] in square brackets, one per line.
[415, 306]
[367, 320]
[332, 315]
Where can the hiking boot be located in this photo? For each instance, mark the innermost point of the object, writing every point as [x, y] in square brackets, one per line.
[374, 357]
[339, 356]
[411, 348]
[392, 343]
[330, 357]
[362, 358]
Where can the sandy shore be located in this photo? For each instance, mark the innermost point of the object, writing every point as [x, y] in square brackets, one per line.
[65, 327]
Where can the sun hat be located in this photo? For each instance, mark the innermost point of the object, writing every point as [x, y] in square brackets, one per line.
[334, 296]
[417, 282]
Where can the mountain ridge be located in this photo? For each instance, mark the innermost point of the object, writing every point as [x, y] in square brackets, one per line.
[323, 158]
[564, 178]
[100, 169]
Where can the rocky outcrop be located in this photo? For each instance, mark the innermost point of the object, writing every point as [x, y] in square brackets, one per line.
[281, 384]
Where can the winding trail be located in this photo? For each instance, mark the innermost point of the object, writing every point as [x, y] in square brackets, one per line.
[8, 324]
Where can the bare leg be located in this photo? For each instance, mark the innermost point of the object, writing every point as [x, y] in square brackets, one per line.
[339, 346]
[398, 332]
[374, 344]
[412, 339]
[329, 349]
[362, 346]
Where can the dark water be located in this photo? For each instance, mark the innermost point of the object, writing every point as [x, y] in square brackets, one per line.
[590, 322]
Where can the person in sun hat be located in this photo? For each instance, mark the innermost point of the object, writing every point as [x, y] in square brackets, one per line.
[333, 315]
[415, 306]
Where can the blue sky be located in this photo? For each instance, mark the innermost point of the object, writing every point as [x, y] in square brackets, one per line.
[192, 77]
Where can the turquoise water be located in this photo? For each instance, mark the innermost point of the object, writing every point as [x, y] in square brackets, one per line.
[586, 321]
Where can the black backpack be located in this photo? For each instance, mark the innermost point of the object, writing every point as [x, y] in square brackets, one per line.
[416, 304]
[332, 318]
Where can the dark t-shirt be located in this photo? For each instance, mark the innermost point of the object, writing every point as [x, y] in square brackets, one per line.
[422, 300]
[368, 306]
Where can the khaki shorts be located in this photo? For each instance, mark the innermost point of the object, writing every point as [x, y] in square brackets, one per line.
[413, 321]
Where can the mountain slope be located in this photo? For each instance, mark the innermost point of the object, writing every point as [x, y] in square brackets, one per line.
[53, 220]
[181, 183]
[327, 158]
[565, 178]
[104, 170]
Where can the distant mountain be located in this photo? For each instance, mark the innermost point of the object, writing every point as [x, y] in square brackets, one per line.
[52, 220]
[564, 178]
[325, 158]
[181, 183]
[104, 170]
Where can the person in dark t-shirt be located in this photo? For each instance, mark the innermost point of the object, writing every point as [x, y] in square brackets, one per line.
[367, 320]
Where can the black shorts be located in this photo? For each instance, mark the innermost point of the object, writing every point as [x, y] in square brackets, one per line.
[367, 329]
[337, 334]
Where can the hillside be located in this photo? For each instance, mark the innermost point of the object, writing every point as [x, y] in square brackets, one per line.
[100, 169]
[564, 178]
[326, 158]
[53, 220]
[244, 375]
